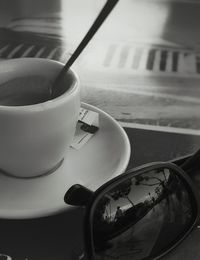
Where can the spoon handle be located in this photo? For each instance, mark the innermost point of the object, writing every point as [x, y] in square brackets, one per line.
[93, 29]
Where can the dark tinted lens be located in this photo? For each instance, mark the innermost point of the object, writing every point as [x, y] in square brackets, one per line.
[142, 216]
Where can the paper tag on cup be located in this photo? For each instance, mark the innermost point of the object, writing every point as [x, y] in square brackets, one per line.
[87, 116]
[87, 126]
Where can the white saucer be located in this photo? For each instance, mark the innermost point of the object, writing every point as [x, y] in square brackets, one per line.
[105, 155]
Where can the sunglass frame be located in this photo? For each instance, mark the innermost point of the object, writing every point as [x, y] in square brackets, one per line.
[89, 245]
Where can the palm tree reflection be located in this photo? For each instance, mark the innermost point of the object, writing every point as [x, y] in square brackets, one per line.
[140, 215]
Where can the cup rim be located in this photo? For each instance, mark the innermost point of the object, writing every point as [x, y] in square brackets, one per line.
[48, 104]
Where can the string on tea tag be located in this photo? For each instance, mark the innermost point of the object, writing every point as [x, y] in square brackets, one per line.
[87, 126]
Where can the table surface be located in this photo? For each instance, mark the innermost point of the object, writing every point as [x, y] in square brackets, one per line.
[61, 236]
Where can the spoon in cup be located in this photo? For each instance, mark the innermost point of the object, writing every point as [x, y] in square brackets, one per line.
[58, 83]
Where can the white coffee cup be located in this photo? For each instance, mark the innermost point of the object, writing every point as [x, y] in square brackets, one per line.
[35, 137]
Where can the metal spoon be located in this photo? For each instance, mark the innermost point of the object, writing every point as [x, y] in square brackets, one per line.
[58, 83]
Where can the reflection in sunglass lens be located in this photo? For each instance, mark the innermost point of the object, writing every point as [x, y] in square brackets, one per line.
[142, 216]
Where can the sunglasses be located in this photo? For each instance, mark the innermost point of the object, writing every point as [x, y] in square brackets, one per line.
[141, 214]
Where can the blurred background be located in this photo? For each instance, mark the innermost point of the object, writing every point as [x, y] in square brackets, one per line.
[142, 66]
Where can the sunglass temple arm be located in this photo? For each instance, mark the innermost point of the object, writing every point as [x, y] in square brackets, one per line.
[192, 162]
[78, 195]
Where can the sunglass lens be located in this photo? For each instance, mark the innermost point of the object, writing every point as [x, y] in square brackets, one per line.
[142, 216]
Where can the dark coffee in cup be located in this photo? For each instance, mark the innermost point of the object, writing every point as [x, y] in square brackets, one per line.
[25, 91]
